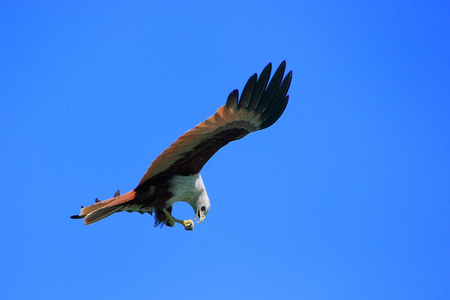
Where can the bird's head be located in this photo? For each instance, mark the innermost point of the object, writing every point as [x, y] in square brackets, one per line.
[202, 207]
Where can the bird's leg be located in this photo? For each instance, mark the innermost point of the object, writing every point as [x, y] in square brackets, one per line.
[188, 224]
[169, 217]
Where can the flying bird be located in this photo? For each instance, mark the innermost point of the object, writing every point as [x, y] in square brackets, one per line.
[175, 174]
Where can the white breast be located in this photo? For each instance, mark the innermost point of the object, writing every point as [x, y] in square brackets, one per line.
[187, 189]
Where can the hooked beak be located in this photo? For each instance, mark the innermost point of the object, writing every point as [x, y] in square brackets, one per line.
[200, 217]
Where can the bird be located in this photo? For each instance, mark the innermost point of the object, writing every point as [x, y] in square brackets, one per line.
[175, 174]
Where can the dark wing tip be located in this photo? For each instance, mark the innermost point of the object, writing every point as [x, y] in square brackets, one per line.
[247, 92]
[267, 98]
[271, 112]
[260, 87]
[272, 89]
[276, 114]
[232, 101]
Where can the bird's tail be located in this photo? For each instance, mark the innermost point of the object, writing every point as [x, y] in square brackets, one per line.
[103, 209]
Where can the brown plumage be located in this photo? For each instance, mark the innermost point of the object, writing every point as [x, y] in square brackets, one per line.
[258, 108]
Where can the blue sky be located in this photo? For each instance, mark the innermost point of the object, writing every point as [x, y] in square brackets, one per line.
[345, 197]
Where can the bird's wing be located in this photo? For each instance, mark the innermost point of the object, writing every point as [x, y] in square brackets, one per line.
[258, 108]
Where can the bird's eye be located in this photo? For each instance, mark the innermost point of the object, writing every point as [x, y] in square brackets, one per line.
[203, 208]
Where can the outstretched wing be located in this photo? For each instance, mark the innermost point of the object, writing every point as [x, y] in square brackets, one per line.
[258, 108]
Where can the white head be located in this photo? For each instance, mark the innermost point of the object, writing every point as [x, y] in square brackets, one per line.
[190, 189]
[202, 205]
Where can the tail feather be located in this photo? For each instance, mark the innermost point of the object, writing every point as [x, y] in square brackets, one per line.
[98, 205]
[103, 209]
[99, 214]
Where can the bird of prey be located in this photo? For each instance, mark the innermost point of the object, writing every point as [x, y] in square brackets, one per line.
[175, 174]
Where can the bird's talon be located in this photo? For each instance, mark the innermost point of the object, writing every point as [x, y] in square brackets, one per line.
[188, 225]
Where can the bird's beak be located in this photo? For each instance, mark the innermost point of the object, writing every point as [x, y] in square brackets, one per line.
[200, 217]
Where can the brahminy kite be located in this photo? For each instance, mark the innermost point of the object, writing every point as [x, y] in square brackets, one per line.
[175, 174]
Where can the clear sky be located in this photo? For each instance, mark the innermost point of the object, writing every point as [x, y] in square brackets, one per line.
[347, 196]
